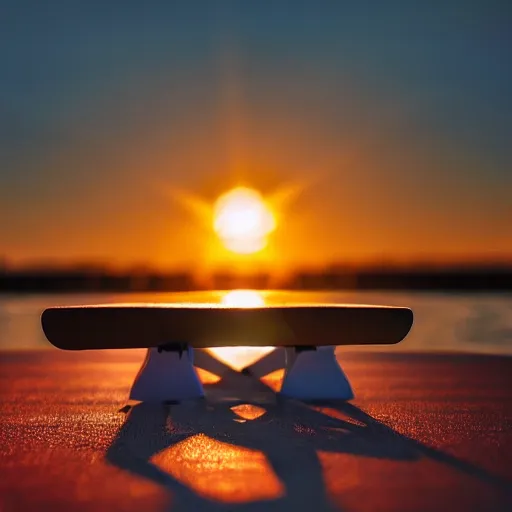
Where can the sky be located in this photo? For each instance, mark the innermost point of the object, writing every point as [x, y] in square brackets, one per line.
[388, 124]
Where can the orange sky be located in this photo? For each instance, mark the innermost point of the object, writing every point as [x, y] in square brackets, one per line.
[351, 201]
[397, 161]
[356, 199]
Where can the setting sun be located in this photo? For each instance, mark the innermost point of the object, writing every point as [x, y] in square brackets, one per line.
[243, 221]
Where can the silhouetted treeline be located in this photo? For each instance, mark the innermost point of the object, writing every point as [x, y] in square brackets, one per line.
[73, 281]
[492, 278]
[443, 280]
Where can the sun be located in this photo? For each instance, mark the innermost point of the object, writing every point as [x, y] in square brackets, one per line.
[243, 221]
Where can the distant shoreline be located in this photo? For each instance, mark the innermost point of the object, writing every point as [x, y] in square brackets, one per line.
[78, 281]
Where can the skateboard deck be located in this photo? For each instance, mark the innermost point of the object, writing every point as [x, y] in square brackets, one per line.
[122, 326]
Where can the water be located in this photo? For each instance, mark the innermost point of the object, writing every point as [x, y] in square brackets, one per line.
[477, 323]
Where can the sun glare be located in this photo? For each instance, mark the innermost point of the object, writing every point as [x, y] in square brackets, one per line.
[243, 221]
[243, 299]
[238, 357]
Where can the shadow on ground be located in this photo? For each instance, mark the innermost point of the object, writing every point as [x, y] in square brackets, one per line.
[288, 433]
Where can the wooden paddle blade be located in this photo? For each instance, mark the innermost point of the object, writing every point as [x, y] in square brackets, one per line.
[145, 326]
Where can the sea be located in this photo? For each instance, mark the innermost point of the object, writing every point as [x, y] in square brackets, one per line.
[454, 322]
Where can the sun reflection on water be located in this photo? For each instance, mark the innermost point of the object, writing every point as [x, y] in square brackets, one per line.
[239, 357]
[243, 299]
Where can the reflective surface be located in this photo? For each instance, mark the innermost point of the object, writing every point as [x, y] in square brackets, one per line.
[480, 323]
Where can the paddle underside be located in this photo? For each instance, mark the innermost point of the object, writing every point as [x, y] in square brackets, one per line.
[144, 326]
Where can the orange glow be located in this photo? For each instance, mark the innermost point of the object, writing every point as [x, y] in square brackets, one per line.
[237, 229]
[207, 377]
[243, 221]
[248, 411]
[274, 380]
[243, 299]
[239, 357]
[196, 462]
